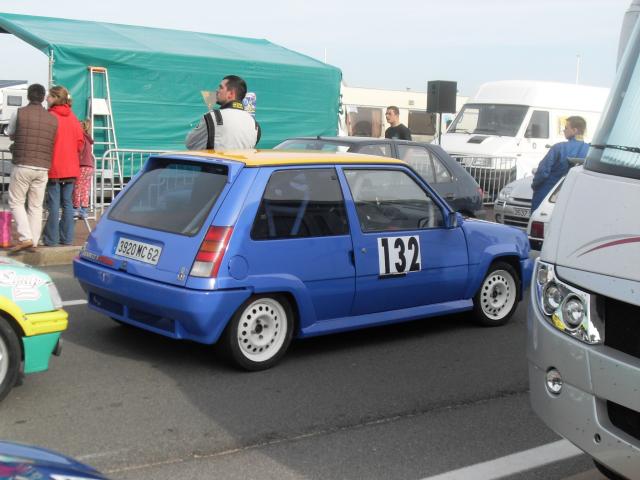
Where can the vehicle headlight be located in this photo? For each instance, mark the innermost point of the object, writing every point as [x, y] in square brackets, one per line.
[505, 193]
[551, 298]
[56, 300]
[566, 307]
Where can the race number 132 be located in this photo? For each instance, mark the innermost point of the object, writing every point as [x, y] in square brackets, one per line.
[398, 255]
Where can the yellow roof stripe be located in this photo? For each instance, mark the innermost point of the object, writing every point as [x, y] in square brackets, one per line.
[260, 158]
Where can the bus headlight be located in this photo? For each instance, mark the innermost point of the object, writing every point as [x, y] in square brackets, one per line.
[573, 312]
[551, 298]
[566, 307]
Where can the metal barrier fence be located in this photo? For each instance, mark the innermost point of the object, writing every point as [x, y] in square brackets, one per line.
[491, 173]
[113, 171]
[5, 174]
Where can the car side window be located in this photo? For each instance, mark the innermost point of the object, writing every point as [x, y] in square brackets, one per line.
[390, 200]
[440, 171]
[301, 203]
[420, 159]
[381, 149]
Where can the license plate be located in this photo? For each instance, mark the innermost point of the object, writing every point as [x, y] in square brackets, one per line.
[521, 212]
[143, 252]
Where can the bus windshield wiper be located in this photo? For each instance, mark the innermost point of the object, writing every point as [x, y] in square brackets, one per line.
[618, 147]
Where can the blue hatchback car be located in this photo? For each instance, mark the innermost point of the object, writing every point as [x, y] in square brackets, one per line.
[251, 249]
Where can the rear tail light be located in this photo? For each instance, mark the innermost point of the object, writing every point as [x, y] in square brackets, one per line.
[211, 251]
[537, 229]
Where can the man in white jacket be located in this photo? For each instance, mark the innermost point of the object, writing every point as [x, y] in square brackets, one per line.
[229, 127]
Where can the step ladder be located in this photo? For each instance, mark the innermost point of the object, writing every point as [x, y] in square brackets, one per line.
[108, 170]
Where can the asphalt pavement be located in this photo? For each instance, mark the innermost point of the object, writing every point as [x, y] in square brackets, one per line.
[411, 401]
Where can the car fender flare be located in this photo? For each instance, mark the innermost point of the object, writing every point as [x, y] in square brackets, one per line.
[491, 254]
[295, 288]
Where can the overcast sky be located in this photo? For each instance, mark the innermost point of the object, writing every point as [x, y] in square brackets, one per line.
[390, 45]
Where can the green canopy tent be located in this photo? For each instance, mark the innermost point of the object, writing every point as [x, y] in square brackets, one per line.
[157, 76]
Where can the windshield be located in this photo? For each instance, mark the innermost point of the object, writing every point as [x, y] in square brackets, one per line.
[490, 119]
[313, 144]
[171, 195]
[615, 148]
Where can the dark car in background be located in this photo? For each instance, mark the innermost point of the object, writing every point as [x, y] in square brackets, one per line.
[431, 162]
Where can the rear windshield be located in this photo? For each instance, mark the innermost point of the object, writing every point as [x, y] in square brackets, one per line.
[172, 195]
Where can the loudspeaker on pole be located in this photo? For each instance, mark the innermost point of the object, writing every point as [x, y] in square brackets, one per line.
[441, 96]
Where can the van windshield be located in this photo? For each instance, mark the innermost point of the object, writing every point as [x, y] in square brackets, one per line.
[616, 143]
[489, 119]
[171, 195]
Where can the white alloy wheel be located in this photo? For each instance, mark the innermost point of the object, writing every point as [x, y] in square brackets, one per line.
[497, 298]
[261, 332]
[497, 295]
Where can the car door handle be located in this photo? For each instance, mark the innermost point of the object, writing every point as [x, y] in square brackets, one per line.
[450, 196]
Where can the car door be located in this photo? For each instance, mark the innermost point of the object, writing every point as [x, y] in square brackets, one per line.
[435, 174]
[301, 234]
[404, 255]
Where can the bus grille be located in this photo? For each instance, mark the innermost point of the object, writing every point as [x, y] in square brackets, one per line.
[625, 419]
[622, 326]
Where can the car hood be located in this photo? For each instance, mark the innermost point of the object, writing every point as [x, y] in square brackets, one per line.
[521, 188]
[478, 144]
[22, 461]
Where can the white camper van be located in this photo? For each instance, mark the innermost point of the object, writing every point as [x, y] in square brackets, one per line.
[508, 127]
[583, 320]
[363, 112]
[11, 99]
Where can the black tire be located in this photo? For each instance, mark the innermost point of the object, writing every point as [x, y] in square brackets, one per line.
[498, 295]
[259, 333]
[10, 358]
[608, 473]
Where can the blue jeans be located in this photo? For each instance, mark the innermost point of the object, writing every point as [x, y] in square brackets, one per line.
[59, 228]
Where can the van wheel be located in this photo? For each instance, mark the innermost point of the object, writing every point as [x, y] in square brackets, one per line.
[259, 333]
[10, 357]
[497, 298]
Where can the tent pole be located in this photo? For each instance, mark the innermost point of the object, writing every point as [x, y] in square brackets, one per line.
[51, 67]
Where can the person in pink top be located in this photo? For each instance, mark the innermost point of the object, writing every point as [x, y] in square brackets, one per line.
[64, 170]
[82, 187]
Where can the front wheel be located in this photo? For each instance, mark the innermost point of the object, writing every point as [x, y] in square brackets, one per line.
[497, 298]
[259, 333]
[9, 358]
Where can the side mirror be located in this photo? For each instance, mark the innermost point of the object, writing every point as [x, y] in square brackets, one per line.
[454, 220]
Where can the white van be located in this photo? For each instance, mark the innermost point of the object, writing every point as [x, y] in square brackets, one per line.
[583, 342]
[508, 127]
[11, 99]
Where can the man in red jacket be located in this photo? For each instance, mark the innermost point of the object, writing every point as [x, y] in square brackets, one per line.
[65, 169]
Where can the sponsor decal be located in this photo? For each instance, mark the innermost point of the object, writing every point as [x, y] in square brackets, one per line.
[23, 287]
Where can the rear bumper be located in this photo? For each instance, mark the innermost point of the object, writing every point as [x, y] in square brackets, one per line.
[593, 377]
[172, 311]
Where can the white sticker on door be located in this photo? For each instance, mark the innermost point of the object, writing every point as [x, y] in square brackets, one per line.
[398, 255]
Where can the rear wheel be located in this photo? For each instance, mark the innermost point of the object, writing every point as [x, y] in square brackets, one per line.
[9, 358]
[608, 473]
[259, 333]
[497, 298]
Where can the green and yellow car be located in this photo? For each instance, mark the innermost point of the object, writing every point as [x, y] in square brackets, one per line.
[31, 321]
